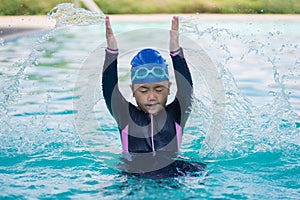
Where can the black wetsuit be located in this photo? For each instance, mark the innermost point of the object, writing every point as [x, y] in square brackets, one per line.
[143, 134]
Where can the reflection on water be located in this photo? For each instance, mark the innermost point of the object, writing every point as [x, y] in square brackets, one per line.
[256, 154]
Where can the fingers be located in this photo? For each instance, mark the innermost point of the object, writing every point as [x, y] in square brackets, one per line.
[108, 26]
[175, 23]
[110, 38]
[174, 35]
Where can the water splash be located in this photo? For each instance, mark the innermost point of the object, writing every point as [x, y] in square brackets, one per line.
[248, 128]
[18, 135]
[66, 15]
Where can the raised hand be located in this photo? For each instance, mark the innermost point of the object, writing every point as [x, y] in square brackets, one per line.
[110, 38]
[174, 35]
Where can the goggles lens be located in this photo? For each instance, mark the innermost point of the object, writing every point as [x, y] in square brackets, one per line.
[143, 72]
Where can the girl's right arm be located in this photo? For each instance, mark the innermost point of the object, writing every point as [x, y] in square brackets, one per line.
[114, 100]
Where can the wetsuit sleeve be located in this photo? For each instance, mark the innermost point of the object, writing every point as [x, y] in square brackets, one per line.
[183, 98]
[114, 100]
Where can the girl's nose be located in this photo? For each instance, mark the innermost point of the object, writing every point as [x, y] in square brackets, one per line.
[151, 96]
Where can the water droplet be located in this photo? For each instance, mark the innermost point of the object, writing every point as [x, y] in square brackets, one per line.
[272, 93]
[2, 42]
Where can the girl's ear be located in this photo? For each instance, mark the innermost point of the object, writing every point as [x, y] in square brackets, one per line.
[169, 88]
[132, 89]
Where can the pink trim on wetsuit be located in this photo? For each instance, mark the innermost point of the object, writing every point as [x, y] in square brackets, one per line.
[175, 53]
[178, 135]
[152, 136]
[125, 139]
[116, 51]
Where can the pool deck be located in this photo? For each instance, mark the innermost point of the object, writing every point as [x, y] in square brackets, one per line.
[15, 26]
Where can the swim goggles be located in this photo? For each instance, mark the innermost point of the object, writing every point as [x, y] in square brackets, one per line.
[143, 72]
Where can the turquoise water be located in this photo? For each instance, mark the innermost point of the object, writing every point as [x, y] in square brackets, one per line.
[47, 152]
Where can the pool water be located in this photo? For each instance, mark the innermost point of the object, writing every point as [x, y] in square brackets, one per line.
[46, 151]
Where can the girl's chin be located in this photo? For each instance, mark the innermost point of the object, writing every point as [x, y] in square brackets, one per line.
[154, 109]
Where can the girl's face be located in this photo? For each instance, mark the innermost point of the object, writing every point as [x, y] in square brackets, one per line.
[151, 97]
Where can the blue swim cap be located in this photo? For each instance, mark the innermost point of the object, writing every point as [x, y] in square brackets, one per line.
[148, 66]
